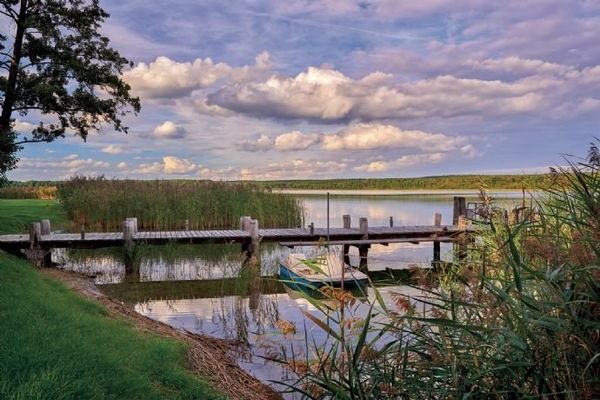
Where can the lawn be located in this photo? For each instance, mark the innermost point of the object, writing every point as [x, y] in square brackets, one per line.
[56, 345]
[16, 215]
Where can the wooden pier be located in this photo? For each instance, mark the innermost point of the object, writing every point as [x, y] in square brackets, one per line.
[40, 240]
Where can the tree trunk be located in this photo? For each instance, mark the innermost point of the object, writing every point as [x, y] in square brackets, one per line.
[10, 95]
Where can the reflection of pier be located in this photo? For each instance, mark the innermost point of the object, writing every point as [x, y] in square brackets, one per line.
[138, 292]
[41, 240]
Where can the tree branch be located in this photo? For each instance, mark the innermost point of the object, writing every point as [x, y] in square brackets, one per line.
[33, 141]
[10, 14]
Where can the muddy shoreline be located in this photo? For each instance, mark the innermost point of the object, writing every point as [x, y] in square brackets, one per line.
[208, 357]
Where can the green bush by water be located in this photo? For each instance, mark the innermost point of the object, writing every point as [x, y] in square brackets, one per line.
[102, 205]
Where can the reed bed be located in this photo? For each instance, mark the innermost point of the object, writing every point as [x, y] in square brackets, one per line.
[101, 204]
[29, 190]
[518, 319]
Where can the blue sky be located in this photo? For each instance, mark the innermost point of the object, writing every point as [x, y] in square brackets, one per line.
[330, 89]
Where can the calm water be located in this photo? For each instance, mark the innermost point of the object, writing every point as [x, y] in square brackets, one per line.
[204, 289]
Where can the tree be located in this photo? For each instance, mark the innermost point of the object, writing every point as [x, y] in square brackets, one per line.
[61, 70]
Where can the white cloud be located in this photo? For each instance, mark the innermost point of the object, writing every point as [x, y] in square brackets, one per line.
[369, 136]
[113, 149]
[166, 78]
[263, 143]
[174, 165]
[71, 157]
[169, 130]
[404, 161]
[122, 165]
[296, 140]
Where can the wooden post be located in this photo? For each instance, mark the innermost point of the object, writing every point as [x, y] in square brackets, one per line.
[460, 208]
[134, 224]
[363, 249]
[312, 228]
[391, 221]
[347, 221]
[437, 221]
[35, 234]
[82, 232]
[187, 224]
[128, 231]
[45, 227]
[250, 248]
[462, 241]
[245, 223]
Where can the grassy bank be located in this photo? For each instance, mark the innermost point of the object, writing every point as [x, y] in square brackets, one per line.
[56, 345]
[102, 204]
[16, 215]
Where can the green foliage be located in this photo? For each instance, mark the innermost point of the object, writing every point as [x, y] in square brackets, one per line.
[55, 345]
[103, 204]
[518, 319]
[29, 190]
[58, 65]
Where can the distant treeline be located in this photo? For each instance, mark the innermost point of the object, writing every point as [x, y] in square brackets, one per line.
[425, 183]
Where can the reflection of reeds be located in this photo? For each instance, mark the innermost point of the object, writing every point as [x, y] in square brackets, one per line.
[103, 204]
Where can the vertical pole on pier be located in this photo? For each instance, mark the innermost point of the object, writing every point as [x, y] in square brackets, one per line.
[250, 247]
[463, 238]
[460, 208]
[45, 227]
[437, 221]
[128, 231]
[82, 231]
[255, 239]
[312, 228]
[391, 221]
[35, 234]
[347, 223]
[328, 220]
[134, 224]
[363, 249]
[187, 224]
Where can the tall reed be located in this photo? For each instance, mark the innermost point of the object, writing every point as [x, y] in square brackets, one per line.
[101, 204]
[522, 322]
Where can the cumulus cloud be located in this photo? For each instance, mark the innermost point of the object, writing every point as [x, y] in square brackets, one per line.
[263, 143]
[166, 78]
[174, 165]
[113, 149]
[62, 168]
[122, 165]
[296, 140]
[329, 96]
[369, 136]
[404, 161]
[169, 130]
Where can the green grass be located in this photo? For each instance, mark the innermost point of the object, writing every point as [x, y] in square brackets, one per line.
[56, 345]
[16, 215]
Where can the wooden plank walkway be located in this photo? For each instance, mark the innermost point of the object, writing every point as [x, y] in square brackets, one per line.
[349, 236]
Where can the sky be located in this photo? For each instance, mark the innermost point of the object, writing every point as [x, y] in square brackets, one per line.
[341, 88]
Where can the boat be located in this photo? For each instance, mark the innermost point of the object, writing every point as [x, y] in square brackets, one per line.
[327, 270]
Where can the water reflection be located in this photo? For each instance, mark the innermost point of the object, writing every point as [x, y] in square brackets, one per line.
[206, 289]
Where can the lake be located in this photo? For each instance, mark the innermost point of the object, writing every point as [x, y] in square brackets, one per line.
[205, 289]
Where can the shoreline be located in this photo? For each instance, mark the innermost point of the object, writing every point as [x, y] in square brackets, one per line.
[209, 358]
[503, 193]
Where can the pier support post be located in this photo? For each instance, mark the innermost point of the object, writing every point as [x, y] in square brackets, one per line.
[45, 227]
[250, 248]
[460, 208]
[128, 231]
[363, 250]
[347, 224]
[437, 221]
[312, 228]
[40, 257]
[134, 224]
[461, 244]
[391, 221]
